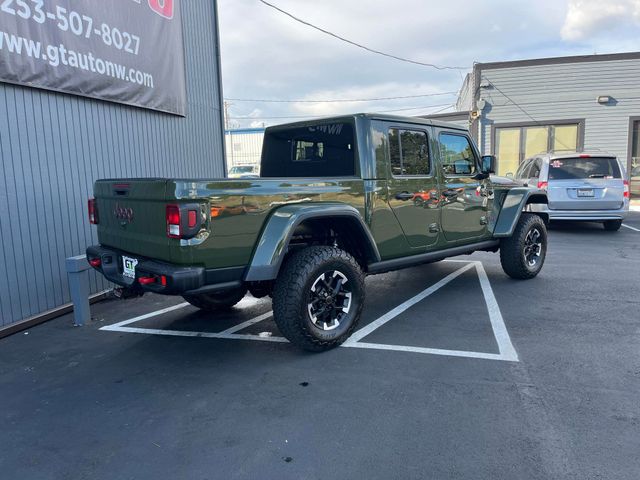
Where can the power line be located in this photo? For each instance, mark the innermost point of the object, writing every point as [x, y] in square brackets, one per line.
[378, 52]
[538, 123]
[342, 114]
[339, 100]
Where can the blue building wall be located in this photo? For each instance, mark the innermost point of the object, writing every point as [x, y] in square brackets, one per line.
[53, 146]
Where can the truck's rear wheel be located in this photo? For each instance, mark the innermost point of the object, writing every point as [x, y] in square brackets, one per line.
[522, 255]
[218, 300]
[318, 297]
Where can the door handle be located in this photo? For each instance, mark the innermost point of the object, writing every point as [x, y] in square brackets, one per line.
[450, 193]
[404, 196]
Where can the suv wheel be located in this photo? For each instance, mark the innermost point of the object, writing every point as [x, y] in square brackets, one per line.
[216, 301]
[612, 225]
[318, 298]
[522, 255]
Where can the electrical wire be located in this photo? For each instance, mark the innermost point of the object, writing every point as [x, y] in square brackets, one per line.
[378, 52]
[343, 114]
[538, 123]
[340, 100]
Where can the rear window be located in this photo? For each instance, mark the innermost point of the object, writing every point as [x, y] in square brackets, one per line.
[318, 150]
[592, 167]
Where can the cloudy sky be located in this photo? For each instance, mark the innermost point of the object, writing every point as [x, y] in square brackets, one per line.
[267, 55]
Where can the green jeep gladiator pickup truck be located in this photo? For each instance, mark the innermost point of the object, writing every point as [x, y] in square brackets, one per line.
[337, 199]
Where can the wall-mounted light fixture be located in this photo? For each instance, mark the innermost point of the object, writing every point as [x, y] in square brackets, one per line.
[604, 99]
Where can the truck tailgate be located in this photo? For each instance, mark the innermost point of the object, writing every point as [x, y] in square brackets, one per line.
[132, 216]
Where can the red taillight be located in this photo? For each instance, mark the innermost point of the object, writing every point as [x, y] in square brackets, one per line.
[193, 218]
[93, 211]
[173, 221]
[95, 262]
[584, 155]
[626, 189]
[543, 185]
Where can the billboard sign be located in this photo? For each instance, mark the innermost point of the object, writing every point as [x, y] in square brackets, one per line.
[127, 51]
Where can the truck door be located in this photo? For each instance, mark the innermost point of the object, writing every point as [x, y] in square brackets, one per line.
[412, 184]
[464, 199]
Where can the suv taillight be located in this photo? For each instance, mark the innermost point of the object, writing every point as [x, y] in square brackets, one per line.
[173, 221]
[93, 211]
[626, 189]
[543, 185]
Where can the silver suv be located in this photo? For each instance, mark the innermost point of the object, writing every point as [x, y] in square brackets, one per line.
[580, 186]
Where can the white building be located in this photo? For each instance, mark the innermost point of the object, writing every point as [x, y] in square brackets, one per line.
[243, 146]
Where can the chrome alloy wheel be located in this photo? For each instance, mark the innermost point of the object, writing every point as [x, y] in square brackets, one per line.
[533, 247]
[329, 300]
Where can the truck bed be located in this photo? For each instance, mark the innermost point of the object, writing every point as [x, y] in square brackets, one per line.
[132, 214]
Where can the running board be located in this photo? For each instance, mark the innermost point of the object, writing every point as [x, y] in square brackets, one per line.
[403, 262]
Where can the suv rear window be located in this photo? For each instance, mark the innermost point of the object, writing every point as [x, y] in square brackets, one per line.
[591, 167]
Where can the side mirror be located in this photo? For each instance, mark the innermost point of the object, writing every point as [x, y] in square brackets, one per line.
[488, 164]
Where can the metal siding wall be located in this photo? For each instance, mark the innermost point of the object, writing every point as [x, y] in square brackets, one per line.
[567, 91]
[250, 149]
[53, 147]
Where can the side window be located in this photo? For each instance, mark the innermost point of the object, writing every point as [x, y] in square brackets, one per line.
[525, 168]
[457, 154]
[535, 168]
[409, 152]
[522, 169]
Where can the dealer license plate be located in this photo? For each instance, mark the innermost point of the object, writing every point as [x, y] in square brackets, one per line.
[585, 192]
[129, 266]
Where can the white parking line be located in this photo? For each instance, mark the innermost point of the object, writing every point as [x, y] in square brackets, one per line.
[391, 314]
[116, 326]
[182, 333]
[631, 228]
[506, 350]
[505, 347]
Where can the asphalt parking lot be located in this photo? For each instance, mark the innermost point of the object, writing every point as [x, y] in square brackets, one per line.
[457, 372]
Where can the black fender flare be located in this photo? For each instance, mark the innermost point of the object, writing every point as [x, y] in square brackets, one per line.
[274, 240]
[514, 204]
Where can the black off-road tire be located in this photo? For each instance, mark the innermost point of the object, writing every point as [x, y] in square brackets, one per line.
[216, 301]
[513, 250]
[293, 296]
[612, 225]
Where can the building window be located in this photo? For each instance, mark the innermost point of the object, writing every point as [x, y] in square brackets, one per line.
[515, 144]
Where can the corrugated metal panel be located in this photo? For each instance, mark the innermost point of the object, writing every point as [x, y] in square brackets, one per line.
[566, 91]
[53, 147]
[243, 147]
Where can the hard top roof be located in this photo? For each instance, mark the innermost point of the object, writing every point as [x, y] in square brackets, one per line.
[373, 116]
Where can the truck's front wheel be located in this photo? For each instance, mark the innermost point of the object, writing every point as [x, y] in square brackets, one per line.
[216, 301]
[318, 297]
[522, 255]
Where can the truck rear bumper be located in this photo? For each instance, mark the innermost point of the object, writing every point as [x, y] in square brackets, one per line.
[160, 277]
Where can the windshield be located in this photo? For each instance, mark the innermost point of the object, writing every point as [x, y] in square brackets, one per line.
[588, 167]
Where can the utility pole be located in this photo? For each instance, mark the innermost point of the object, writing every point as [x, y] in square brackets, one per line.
[226, 114]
